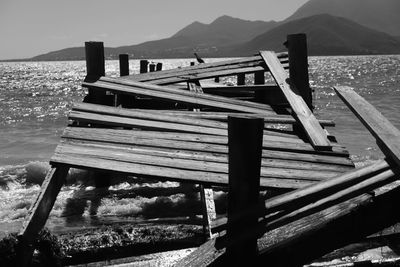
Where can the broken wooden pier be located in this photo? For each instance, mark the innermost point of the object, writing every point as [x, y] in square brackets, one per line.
[180, 125]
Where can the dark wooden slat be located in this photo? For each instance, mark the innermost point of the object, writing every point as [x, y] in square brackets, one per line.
[300, 109]
[245, 145]
[387, 136]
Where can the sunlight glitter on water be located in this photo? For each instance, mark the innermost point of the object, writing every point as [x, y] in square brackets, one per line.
[36, 98]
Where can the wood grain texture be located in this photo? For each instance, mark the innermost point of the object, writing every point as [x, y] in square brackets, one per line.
[312, 128]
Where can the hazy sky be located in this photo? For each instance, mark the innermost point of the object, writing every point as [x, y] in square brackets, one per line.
[32, 27]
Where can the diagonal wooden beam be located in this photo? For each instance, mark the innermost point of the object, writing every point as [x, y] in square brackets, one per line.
[40, 211]
[313, 129]
[387, 136]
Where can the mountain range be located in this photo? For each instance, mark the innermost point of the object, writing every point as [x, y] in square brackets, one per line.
[333, 27]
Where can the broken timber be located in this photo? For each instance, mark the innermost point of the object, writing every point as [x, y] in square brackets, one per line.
[188, 142]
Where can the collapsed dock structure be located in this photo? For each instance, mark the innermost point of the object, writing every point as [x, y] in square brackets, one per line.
[177, 125]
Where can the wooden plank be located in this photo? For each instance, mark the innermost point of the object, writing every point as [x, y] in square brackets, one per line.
[285, 217]
[176, 95]
[387, 136]
[193, 142]
[118, 155]
[208, 157]
[183, 93]
[167, 117]
[297, 199]
[219, 116]
[209, 74]
[141, 123]
[144, 114]
[310, 237]
[206, 67]
[208, 209]
[206, 193]
[313, 129]
[165, 126]
[164, 173]
[40, 211]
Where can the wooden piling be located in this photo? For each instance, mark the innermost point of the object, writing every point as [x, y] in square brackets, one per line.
[259, 78]
[298, 66]
[125, 101]
[159, 66]
[95, 68]
[123, 65]
[241, 79]
[143, 65]
[245, 144]
[152, 67]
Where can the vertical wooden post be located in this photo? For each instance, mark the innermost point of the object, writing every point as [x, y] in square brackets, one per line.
[123, 65]
[245, 146]
[125, 101]
[241, 79]
[159, 66]
[143, 65]
[152, 67]
[259, 78]
[95, 68]
[298, 66]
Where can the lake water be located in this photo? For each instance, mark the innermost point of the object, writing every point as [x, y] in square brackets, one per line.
[35, 98]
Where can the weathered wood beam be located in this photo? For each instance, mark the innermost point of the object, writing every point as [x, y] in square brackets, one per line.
[310, 237]
[386, 135]
[217, 116]
[117, 121]
[312, 128]
[270, 161]
[206, 192]
[116, 156]
[40, 211]
[209, 70]
[327, 191]
[245, 145]
[180, 96]
[298, 66]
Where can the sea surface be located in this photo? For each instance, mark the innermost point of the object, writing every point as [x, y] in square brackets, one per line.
[35, 98]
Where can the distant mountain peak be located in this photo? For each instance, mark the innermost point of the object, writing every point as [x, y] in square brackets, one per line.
[326, 35]
[381, 15]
